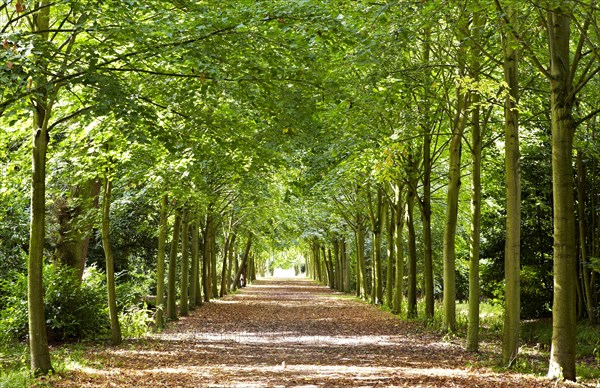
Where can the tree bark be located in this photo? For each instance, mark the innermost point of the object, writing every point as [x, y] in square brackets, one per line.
[562, 353]
[160, 265]
[38, 340]
[399, 281]
[583, 251]
[510, 338]
[426, 202]
[476, 146]
[244, 262]
[115, 328]
[411, 300]
[389, 279]
[184, 301]
[172, 275]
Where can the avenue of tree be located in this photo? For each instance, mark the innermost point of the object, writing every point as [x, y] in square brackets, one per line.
[215, 141]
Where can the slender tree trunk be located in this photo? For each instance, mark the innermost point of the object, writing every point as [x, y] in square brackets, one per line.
[476, 145]
[426, 202]
[38, 340]
[399, 281]
[411, 300]
[194, 282]
[231, 257]
[213, 260]
[510, 339]
[345, 264]
[587, 286]
[389, 279]
[184, 301]
[160, 264]
[199, 244]
[115, 328]
[361, 273]
[244, 262]
[376, 212]
[562, 353]
[206, 278]
[449, 243]
[224, 281]
[172, 275]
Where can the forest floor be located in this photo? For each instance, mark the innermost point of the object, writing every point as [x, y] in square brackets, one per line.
[289, 333]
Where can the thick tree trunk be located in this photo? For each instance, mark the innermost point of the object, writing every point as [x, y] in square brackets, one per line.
[160, 265]
[115, 328]
[172, 275]
[74, 228]
[184, 301]
[562, 353]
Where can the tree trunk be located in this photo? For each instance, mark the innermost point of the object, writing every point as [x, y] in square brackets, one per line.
[426, 202]
[38, 340]
[206, 278]
[361, 272]
[74, 229]
[510, 338]
[160, 265]
[172, 275]
[244, 262]
[476, 145]
[198, 244]
[231, 257]
[194, 283]
[586, 277]
[389, 279]
[411, 300]
[213, 261]
[115, 328]
[345, 265]
[184, 301]
[562, 353]
[376, 212]
[399, 281]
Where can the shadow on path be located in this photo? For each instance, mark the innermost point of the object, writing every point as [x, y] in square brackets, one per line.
[289, 333]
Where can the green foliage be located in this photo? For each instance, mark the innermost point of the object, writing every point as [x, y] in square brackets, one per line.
[135, 321]
[72, 310]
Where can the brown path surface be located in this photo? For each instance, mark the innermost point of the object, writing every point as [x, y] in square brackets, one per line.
[288, 333]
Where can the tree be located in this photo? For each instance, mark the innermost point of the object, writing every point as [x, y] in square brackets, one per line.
[115, 328]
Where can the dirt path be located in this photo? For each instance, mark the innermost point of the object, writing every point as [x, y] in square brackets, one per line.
[288, 333]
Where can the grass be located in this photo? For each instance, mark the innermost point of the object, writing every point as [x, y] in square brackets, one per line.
[14, 364]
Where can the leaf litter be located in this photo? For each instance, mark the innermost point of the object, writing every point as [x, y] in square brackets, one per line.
[283, 333]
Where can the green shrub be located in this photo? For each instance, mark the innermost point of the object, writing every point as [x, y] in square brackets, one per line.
[72, 310]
